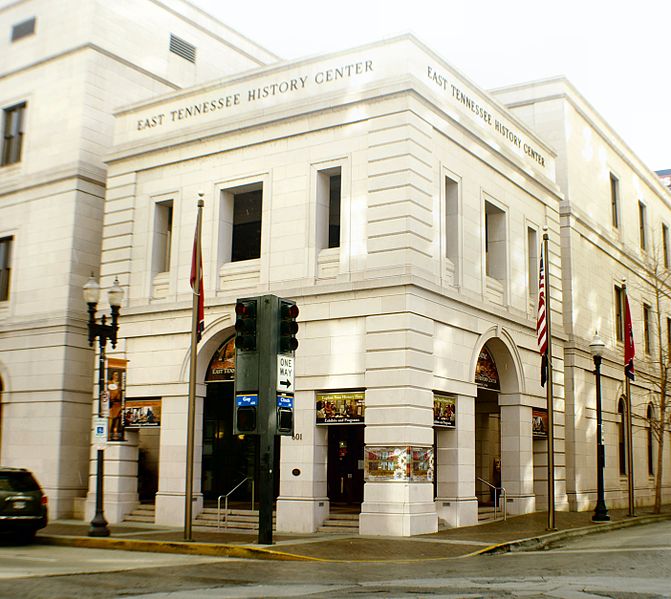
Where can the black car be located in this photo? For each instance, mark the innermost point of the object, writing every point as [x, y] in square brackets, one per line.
[23, 506]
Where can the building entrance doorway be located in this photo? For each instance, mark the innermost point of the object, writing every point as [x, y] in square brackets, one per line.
[487, 446]
[345, 465]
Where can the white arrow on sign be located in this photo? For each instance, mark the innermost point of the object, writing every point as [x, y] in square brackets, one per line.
[285, 373]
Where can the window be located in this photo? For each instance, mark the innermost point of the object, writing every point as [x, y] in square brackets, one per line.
[533, 264]
[12, 133]
[642, 225]
[329, 193]
[615, 201]
[452, 220]
[163, 218]
[620, 436]
[23, 29]
[668, 337]
[5, 267]
[647, 311]
[246, 233]
[651, 441]
[665, 245]
[619, 313]
[495, 242]
[182, 48]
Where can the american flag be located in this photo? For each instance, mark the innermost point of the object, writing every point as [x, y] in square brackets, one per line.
[541, 322]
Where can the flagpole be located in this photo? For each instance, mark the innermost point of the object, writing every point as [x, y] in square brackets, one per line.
[191, 419]
[629, 423]
[549, 389]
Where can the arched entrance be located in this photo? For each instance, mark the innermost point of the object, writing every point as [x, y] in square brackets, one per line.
[227, 459]
[503, 427]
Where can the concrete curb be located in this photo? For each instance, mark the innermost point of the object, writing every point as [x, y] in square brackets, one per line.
[181, 547]
[547, 540]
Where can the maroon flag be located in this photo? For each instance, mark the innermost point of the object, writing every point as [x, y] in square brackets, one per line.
[541, 322]
[629, 348]
[196, 259]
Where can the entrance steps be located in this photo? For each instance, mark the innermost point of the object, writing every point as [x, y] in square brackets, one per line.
[235, 520]
[341, 524]
[487, 513]
[145, 512]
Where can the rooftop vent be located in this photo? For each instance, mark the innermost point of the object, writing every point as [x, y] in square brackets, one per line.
[23, 29]
[182, 48]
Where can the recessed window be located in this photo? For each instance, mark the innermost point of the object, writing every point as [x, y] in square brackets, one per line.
[666, 245]
[452, 220]
[182, 48]
[5, 267]
[246, 233]
[12, 133]
[619, 313]
[643, 225]
[615, 201]
[495, 242]
[23, 29]
[329, 200]
[651, 440]
[163, 221]
[533, 262]
[647, 327]
[622, 456]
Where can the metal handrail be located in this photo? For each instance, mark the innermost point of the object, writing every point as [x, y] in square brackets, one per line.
[503, 496]
[225, 498]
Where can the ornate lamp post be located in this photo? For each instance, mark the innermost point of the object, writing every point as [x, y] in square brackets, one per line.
[601, 511]
[103, 332]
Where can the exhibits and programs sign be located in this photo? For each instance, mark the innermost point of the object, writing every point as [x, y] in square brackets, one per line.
[415, 464]
[341, 408]
[443, 411]
[142, 412]
[539, 423]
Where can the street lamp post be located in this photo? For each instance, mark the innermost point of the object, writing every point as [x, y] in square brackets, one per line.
[103, 332]
[596, 348]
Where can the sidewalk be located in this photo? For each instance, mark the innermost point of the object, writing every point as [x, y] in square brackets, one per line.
[515, 534]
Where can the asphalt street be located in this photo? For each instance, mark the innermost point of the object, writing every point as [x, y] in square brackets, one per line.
[622, 564]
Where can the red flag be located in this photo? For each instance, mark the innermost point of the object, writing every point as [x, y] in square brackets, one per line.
[629, 348]
[541, 322]
[196, 255]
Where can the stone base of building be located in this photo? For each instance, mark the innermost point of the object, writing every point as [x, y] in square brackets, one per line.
[454, 512]
[170, 508]
[398, 509]
[301, 514]
[517, 505]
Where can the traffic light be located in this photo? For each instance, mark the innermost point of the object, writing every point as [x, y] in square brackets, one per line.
[245, 325]
[288, 327]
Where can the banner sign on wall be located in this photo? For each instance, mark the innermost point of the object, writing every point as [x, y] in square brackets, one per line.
[444, 411]
[539, 422]
[115, 388]
[341, 408]
[142, 412]
[486, 374]
[222, 364]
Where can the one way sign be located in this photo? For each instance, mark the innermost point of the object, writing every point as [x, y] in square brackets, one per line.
[285, 373]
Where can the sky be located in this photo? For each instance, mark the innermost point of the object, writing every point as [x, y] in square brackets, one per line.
[616, 53]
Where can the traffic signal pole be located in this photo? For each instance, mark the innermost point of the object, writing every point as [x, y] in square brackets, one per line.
[267, 342]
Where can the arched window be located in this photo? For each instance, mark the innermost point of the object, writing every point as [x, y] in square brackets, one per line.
[651, 440]
[620, 436]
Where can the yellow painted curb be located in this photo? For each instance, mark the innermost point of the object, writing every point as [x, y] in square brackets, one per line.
[209, 549]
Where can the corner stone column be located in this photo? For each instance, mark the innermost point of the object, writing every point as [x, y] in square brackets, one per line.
[517, 461]
[303, 506]
[399, 413]
[172, 461]
[456, 502]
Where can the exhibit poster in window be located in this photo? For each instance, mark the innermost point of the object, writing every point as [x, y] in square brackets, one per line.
[422, 464]
[387, 463]
[115, 390]
[143, 412]
[486, 374]
[340, 408]
[539, 422]
[444, 411]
